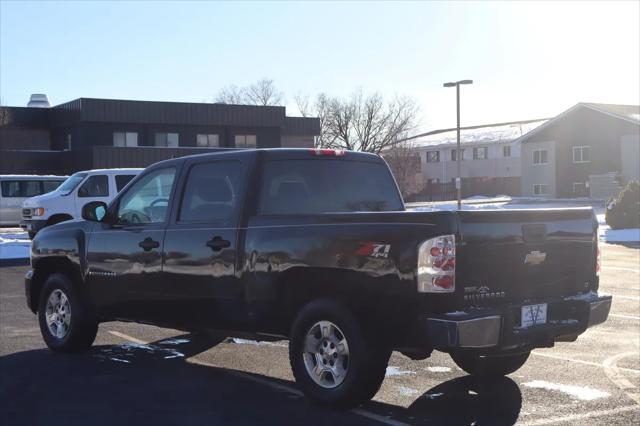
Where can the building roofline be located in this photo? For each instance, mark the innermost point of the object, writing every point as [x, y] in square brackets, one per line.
[479, 126]
[569, 111]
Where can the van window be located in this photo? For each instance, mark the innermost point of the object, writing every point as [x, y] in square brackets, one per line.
[122, 181]
[95, 186]
[50, 185]
[72, 182]
[211, 192]
[323, 186]
[21, 188]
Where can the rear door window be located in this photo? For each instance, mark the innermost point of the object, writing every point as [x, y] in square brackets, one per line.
[211, 193]
[122, 181]
[95, 186]
[324, 186]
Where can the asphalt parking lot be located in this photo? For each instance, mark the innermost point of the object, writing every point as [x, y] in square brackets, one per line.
[137, 374]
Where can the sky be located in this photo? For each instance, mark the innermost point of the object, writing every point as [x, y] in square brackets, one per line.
[527, 60]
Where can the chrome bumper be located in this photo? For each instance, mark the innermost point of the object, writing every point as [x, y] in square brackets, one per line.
[488, 329]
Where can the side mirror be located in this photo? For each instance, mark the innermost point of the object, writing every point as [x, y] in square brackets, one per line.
[94, 211]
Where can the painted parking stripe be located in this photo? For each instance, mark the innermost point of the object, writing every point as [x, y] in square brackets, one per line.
[624, 316]
[579, 361]
[636, 298]
[588, 415]
[267, 382]
[618, 268]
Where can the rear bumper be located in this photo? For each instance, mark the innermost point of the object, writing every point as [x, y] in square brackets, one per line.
[500, 328]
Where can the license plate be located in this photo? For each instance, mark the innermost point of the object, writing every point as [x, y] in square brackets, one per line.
[533, 315]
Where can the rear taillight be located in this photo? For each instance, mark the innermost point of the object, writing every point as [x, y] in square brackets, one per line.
[328, 152]
[437, 265]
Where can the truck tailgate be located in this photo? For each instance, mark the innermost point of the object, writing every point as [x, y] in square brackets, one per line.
[511, 256]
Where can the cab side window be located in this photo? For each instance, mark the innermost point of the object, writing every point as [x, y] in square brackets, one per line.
[95, 186]
[122, 181]
[211, 192]
[147, 200]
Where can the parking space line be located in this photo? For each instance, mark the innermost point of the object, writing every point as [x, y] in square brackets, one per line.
[619, 268]
[635, 298]
[624, 316]
[579, 361]
[127, 337]
[267, 382]
[588, 415]
[612, 371]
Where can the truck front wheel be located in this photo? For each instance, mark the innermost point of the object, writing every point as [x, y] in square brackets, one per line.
[490, 365]
[65, 323]
[333, 360]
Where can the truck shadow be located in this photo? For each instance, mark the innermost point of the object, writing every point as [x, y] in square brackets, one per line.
[152, 384]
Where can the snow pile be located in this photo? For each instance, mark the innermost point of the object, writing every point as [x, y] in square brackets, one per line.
[580, 392]
[14, 245]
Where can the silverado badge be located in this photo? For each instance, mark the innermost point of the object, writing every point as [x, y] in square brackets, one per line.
[535, 258]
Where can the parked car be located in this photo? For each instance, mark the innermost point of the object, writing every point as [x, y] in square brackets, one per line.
[315, 246]
[15, 189]
[65, 203]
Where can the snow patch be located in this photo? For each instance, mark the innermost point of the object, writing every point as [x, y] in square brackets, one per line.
[14, 245]
[439, 369]
[395, 371]
[174, 341]
[581, 392]
[256, 343]
[433, 395]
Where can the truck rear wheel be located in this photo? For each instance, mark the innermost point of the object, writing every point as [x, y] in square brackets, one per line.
[333, 360]
[65, 323]
[490, 365]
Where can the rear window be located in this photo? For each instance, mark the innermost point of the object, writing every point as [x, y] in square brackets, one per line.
[122, 181]
[327, 186]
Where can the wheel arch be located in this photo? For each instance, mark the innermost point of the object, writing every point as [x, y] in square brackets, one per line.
[57, 218]
[45, 268]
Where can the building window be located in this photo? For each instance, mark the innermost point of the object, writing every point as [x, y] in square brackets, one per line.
[540, 156]
[580, 189]
[506, 151]
[433, 156]
[169, 140]
[125, 139]
[205, 141]
[245, 141]
[540, 189]
[480, 153]
[454, 155]
[581, 154]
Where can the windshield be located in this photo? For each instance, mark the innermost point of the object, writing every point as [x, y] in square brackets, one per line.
[71, 183]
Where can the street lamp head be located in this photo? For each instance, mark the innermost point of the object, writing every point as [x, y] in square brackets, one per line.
[450, 85]
[465, 82]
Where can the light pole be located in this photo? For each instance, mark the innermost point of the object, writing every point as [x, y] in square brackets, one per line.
[457, 84]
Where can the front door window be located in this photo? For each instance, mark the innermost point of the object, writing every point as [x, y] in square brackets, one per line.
[147, 200]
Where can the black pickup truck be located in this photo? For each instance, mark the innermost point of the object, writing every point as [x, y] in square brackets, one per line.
[316, 246]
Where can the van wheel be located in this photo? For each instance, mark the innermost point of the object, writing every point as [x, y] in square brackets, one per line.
[65, 323]
[333, 361]
[490, 366]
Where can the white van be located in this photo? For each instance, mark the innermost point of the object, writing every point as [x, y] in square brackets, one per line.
[66, 202]
[15, 189]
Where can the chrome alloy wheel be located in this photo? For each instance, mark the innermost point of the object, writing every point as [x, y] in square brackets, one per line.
[326, 354]
[58, 314]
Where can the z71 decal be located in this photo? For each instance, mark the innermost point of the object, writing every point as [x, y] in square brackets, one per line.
[371, 249]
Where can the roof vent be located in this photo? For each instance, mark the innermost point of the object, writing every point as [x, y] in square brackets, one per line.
[39, 100]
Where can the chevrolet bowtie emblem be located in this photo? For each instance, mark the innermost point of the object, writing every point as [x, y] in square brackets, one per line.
[535, 258]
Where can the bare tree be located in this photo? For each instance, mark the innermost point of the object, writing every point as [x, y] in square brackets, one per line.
[303, 104]
[231, 94]
[264, 92]
[404, 161]
[364, 122]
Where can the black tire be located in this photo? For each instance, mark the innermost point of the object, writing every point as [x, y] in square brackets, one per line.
[82, 328]
[367, 360]
[490, 366]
